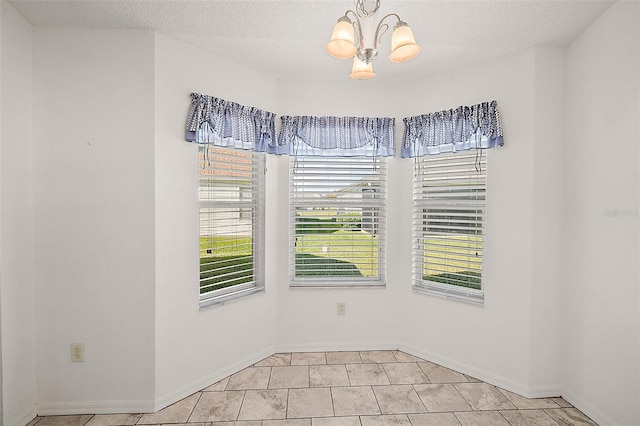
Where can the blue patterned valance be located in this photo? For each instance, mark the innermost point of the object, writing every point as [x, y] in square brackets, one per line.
[466, 127]
[335, 136]
[218, 122]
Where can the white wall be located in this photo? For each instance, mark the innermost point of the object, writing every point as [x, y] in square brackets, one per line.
[94, 213]
[1, 382]
[492, 341]
[522, 270]
[195, 348]
[547, 237]
[112, 186]
[307, 317]
[16, 224]
[601, 309]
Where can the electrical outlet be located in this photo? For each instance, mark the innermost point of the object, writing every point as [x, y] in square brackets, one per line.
[342, 308]
[77, 352]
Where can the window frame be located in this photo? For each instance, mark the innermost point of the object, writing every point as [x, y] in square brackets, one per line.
[295, 203]
[420, 221]
[257, 222]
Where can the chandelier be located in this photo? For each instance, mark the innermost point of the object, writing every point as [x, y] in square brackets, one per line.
[355, 38]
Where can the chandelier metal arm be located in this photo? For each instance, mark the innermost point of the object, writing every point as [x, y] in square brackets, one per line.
[382, 26]
[357, 25]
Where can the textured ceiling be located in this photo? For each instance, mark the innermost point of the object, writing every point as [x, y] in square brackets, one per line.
[285, 39]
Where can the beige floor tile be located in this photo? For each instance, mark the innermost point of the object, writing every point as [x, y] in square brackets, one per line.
[438, 374]
[312, 402]
[250, 378]
[217, 406]
[264, 404]
[218, 386]
[528, 418]
[433, 419]
[387, 420]
[483, 396]
[336, 421]
[79, 420]
[275, 360]
[308, 358]
[398, 399]
[401, 373]
[176, 413]
[523, 403]
[288, 422]
[343, 358]
[377, 357]
[561, 402]
[328, 375]
[481, 418]
[405, 357]
[34, 421]
[289, 377]
[354, 401]
[240, 423]
[565, 417]
[197, 424]
[367, 374]
[114, 419]
[441, 397]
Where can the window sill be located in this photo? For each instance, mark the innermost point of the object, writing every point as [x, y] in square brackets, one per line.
[337, 285]
[230, 297]
[461, 294]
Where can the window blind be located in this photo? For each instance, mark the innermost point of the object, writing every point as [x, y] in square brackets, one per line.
[337, 220]
[448, 224]
[231, 198]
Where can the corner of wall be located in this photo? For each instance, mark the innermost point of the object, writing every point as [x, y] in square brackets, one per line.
[18, 381]
[2, 6]
[547, 229]
[600, 268]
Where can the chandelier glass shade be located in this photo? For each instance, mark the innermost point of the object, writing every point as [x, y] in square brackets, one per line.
[341, 45]
[361, 70]
[351, 38]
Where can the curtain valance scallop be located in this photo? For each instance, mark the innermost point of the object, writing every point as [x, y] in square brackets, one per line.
[466, 127]
[219, 122]
[335, 136]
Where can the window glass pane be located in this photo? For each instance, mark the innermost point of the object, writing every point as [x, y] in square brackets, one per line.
[337, 220]
[449, 206]
[231, 208]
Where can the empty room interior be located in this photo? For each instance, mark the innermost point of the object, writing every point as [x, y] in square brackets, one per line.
[114, 212]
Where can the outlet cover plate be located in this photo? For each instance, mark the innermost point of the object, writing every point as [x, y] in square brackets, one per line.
[77, 352]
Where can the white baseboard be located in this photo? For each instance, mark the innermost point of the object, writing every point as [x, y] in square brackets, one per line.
[590, 411]
[22, 419]
[485, 376]
[209, 379]
[57, 408]
[336, 346]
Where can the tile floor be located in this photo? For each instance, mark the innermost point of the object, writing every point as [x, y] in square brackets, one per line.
[371, 388]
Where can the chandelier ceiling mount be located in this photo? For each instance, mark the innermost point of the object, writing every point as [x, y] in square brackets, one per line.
[354, 37]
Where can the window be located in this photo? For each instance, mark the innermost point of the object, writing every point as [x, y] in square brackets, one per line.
[231, 197]
[448, 224]
[337, 221]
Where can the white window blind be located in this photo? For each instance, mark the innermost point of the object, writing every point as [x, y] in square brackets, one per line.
[448, 224]
[231, 197]
[337, 221]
